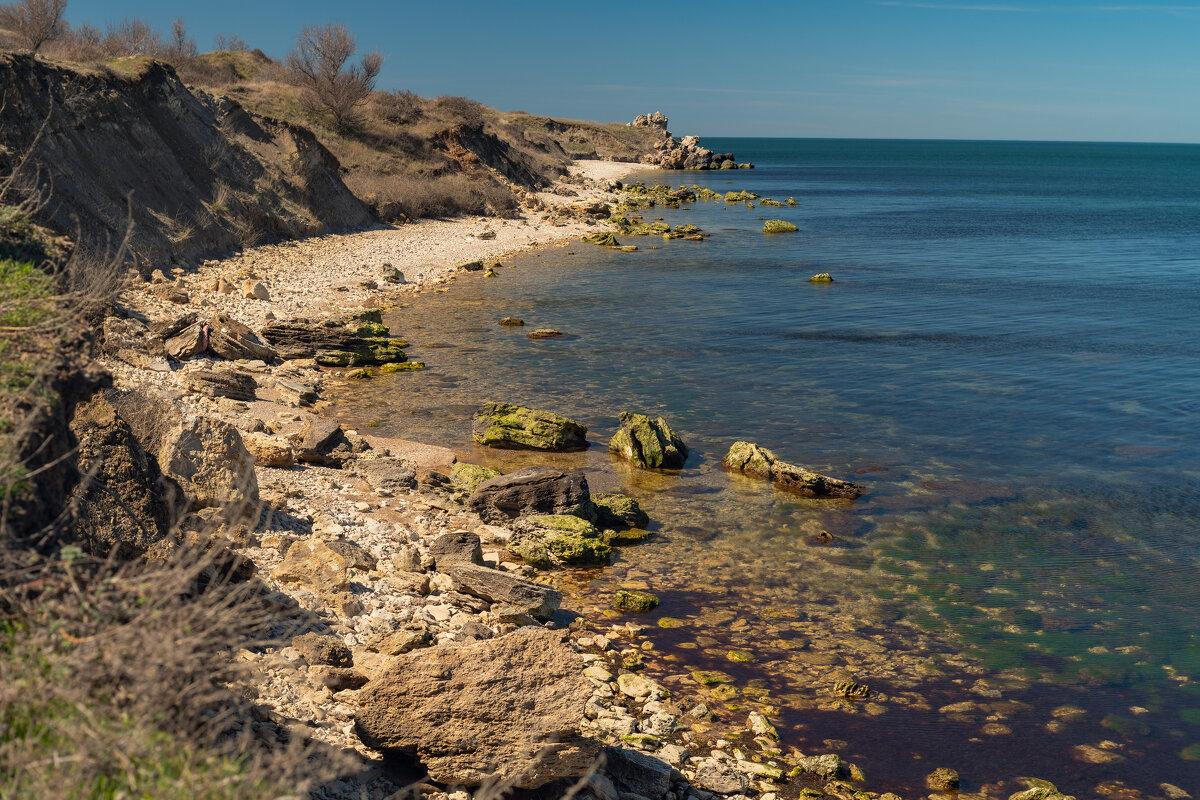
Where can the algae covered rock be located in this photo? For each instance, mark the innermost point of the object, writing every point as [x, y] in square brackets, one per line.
[619, 511]
[512, 322]
[750, 459]
[601, 239]
[942, 779]
[821, 277]
[648, 443]
[467, 477]
[559, 539]
[510, 426]
[778, 226]
[546, 333]
[635, 602]
[1040, 790]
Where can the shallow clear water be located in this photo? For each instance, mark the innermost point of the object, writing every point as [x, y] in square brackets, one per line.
[1008, 361]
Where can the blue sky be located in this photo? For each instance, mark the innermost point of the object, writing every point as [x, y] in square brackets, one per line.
[1073, 70]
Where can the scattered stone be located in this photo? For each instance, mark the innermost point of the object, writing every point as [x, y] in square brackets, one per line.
[337, 679]
[318, 648]
[394, 643]
[506, 425]
[505, 709]
[533, 490]
[354, 554]
[639, 687]
[456, 547]
[716, 776]
[234, 384]
[761, 726]
[269, 451]
[253, 290]
[313, 564]
[634, 601]
[648, 443]
[750, 459]
[826, 766]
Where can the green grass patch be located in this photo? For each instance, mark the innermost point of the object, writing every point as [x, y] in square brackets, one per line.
[25, 293]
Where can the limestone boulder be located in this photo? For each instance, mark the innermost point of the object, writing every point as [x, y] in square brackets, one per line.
[532, 490]
[124, 503]
[269, 451]
[648, 443]
[454, 548]
[505, 425]
[323, 442]
[718, 777]
[386, 473]
[751, 459]
[636, 773]
[315, 565]
[205, 457]
[506, 709]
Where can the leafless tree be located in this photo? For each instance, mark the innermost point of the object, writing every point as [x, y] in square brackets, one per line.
[131, 37]
[231, 42]
[181, 46]
[319, 63]
[35, 22]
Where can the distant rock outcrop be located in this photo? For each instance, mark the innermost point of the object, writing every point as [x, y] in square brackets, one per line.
[655, 120]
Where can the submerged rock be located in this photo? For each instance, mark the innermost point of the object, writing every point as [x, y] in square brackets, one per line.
[648, 443]
[510, 426]
[751, 459]
[601, 239]
[507, 709]
[634, 601]
[533, 490]
[512, 322]
[1040, 790]
[559, 540]
[619, 511]
[942, 779]
[546, 333]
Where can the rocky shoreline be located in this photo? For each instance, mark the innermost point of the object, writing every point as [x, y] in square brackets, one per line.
[433, 648]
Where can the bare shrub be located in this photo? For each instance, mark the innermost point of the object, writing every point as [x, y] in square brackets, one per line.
[180, 46]
[319, 63]
[131, 37]
[461, 110]
[230, 42]
[398, 107]
[35, 22]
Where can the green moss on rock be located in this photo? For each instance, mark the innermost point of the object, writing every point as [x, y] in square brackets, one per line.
[466, 477]
[619, 511]
[601, 239]
[634, 601]
[406, 366]
[778, 226]
[821, 277]
[648, 443]
[559, 539]
[511, 426]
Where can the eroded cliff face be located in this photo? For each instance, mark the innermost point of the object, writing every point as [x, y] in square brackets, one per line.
[197, 175]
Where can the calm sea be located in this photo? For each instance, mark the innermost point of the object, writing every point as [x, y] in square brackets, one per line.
[1008, 360]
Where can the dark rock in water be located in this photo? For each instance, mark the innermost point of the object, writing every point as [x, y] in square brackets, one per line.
[456, 547]
[619, 511]
[512, 322]
[533, 490]
[942, 779]
[324, 442]
[851, 690]
[233, 384]
[559, 540]
[323, 649]
[506, 710]
[472, 266]
[125, 504]
[648, 443]
[635, 602]
[750, 459]
[546, 333]
[536, 599]
[386, 473]
[516, 427]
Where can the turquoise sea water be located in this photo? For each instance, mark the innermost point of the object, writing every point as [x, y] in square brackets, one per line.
[1008, 360]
